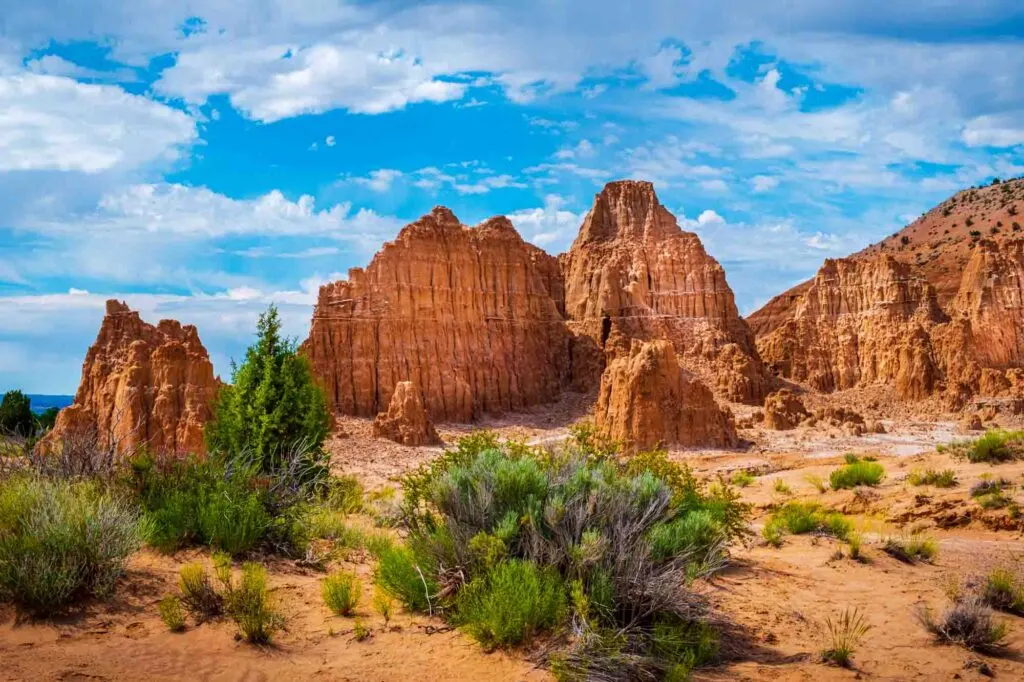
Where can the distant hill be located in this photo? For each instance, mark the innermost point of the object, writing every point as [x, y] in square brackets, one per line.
[41, 403]
[938, 244]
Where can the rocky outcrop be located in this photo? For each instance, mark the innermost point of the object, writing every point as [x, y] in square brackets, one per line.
[141, 385]
[633, 274]
[859, 322]
[935, 310]
[646, 400]
[472, 316]
[783, 410]
[406, 420]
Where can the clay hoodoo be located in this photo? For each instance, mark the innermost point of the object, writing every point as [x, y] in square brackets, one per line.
[141, 385]
[472, 316]
[937, 308]
[632, 273]
[647, 400]
[406, 420]
[783, 410]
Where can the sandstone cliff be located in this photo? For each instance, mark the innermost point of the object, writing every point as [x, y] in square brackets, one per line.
[647, 400]
[472, 316]
[937, 309]
[141, 385]
[632, 273]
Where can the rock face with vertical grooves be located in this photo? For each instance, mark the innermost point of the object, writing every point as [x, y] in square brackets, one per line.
[859, 322]
[647, 400]
[632, 273]
[935, 310]
[472, 316]
[141, 385]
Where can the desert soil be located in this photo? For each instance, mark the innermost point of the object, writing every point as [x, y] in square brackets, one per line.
[775, 601]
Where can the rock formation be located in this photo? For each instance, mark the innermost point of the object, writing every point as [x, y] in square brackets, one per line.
[141, 385]
[646, 400]
[936, 309]
[783, 410]
[859, 322]
[632, 273]
[406, 420]
[472, 316]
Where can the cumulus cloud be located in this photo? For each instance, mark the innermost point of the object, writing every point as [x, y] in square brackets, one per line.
[995, 131]
[56, 123]
[763, 183]
[272, 82]
[45, 337]
[552, 226]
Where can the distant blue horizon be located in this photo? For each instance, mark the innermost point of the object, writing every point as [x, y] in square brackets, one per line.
[40, 403]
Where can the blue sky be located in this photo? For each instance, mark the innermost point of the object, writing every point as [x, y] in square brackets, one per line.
[201, 159]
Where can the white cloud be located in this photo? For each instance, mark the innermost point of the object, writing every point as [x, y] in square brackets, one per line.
[56, 65]
[551, 227]
[272, 82]
[995, 131]
[583, 150]
[380, 180]
[665, 68]
[716, 185]
[710, 217]
[764, 183]
[55, 123]
[44, 338]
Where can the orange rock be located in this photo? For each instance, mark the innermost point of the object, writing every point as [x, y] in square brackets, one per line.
[859, 322]
[646, 400]
[936, 309]
[141, 385]
[406, 420]
[783, 410]
[473, 316]
[632, 273]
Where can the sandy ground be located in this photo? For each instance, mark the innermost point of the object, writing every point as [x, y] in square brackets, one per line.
[775, 599]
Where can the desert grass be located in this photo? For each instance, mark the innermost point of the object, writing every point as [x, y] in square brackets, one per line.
[845, 634]
[341, 592]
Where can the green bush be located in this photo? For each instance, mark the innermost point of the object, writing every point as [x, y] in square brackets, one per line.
[341, 592]
[858, 472]
[16, 415]
[742, 479]
[272, 408]
[627, 537]
[511, 603]
[233, 519]
[798, 518]
[61, 540]
[198, 594]
[398, 573]
[940, 479]
[192, 501]
[171, 614]
[249, 604]
[911, 548]
[1003, 591]
[997, 445]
